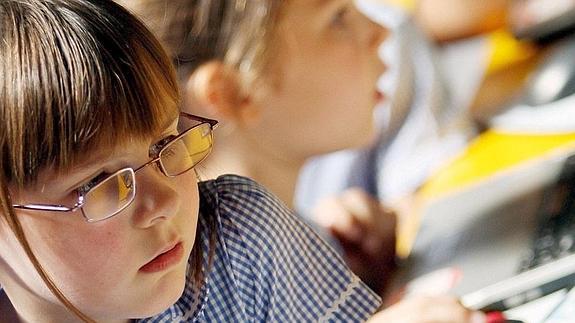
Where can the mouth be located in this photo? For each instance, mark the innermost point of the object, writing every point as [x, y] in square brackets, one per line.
[379, 96]
[164, 260]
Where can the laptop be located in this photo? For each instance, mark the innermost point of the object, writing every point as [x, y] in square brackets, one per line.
[547, 270]
[489, 233]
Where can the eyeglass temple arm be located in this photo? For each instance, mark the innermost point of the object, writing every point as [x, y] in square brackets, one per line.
[212, 122]
[51, 207]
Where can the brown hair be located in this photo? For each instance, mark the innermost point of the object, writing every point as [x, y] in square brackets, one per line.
[236, 32]
[74, 74]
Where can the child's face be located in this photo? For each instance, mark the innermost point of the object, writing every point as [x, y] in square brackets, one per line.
[326, 72]
[100, 266]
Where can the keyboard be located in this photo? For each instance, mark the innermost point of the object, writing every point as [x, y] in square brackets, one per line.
[555, 234]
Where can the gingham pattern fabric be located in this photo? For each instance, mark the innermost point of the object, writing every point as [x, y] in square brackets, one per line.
[268, 265]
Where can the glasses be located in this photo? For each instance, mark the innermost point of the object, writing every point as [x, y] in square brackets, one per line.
[109, 194]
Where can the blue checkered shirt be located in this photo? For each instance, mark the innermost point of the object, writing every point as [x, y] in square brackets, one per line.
[268, 265]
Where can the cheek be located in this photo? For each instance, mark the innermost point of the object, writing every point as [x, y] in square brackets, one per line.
[99, 246]
[334, 91]
[80, 253]
[344, 102]
[339, 77]
[14, 264]
[84, 263]
[186, 185]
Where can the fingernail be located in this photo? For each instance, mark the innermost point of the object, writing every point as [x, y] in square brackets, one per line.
[478, 317]
[494, 317]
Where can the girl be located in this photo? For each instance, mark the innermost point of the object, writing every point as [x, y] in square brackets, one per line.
[290, 79]
[102, 219]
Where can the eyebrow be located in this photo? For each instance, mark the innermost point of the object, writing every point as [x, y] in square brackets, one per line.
[322, 3]
[80, 167]
[167, 124]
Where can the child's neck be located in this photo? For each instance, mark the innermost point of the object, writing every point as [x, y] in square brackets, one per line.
[276, 174]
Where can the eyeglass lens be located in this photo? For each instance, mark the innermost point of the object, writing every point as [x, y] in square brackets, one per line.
[110, 196]
[186, 152]
[117, 192]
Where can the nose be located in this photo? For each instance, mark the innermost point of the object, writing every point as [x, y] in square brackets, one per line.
[377, 34]
[156, 199]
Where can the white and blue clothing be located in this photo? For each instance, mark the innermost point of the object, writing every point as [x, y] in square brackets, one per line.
[267, 266]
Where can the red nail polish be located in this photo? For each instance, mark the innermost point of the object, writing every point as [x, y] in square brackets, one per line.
[494, 317]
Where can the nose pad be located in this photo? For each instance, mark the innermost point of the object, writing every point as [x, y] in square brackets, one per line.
[156, 199]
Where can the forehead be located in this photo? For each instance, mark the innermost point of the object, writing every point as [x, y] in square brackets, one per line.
[312, 4]
[320, 3]
[109, 148]
[115, 146]
[308, 11]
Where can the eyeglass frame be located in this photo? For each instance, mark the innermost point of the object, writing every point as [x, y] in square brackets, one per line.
[155, 151]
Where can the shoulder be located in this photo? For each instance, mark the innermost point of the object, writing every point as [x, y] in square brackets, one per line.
[246, 211]
[228, 188]
[282, 270]
[246, 204]
[236, 191]
[251, 222]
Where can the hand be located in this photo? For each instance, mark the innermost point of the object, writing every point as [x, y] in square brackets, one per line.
[442, 309]
[366, 232]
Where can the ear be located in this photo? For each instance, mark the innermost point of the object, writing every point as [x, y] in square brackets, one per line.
[218, 91]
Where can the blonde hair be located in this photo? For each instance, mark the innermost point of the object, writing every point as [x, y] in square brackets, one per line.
[239, 33]
[74, 74]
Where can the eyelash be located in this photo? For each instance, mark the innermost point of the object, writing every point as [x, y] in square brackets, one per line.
[168, 152]
[94, 180]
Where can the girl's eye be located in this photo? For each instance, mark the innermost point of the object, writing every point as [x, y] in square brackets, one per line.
[168, 152]
[340, 18]
[93, 181]
[158, 146]
[69, 199]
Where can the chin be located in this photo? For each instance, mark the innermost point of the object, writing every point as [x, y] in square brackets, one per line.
[366, 137]
[167, 290]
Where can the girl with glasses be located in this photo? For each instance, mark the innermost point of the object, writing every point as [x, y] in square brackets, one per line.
[289, 80]
[103, 218]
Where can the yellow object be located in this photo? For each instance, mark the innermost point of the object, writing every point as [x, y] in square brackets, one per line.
[490, 153]
[506, 50]
[408, 5]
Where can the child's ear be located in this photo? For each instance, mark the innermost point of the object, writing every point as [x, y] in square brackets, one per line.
[218, 91]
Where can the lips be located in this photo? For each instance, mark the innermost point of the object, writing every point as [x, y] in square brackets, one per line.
[164, 260]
